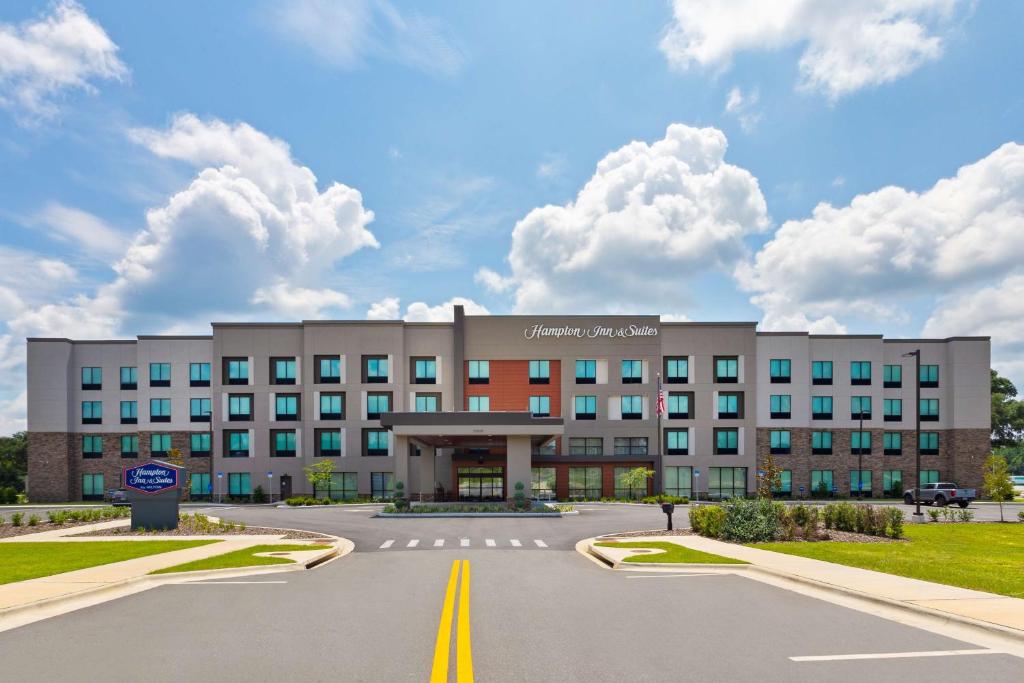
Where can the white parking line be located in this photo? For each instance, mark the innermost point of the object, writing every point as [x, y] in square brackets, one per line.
[464, 542]
[232, 583]
[540, 543]
[438, 543]
[672, 576]
[489, 542]
[413, 543]
[387, 544]
[515, 543]
[893, 655]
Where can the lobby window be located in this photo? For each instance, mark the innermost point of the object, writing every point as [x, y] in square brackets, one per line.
[199, 374]
[779, 441]
[929, 443]
[282, 370]
[892, 376]
[821, 482]
[677, 441]
[200, 409]
[860, 407]
[821, 407]
[892, 483]
[929, 477]
[328, 443]
[129, 412]
[129, 446]
[159, 444]
[730, 406]
[375, 442]
[727, 369]
[286, 407]
[585, 407]
[92, 487]
[129, 378]
[236, 371]
[678, 481]
[239, 407]
[159, 410]
[586, 445]
[892, 443]
[375, 369]
[159, 374]
[199, 445]
[343, 486]
[237, 443]
[540, 406]
[479, 371]
[382, 484]
[332, 406]
[785, 483]
[479, 404]
[632, 407]
[821, 443]
[929, 376]
[860, 372]
[727, 441]
[92, 446]
[630, 445]
[860, 481]
[239, 484]
[860, 443]
[542, 483]
[92, 412]
[92, 378]
[548, 448]
[821, 372]
[679, 406]
[727, 482]
[624, 490]
[540, 371]
[892, 409]
[376, 404]
[632, 372]
[586, 372]
[424, 371]
[677, 370]
[780, 406]
[779, 371]
[929, 408]
[199, 485]
[427, 403]
[328, 369]
[584, 483]
[282, 443]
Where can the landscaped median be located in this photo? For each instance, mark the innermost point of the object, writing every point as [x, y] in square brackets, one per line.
[657, 552]
[24, 561]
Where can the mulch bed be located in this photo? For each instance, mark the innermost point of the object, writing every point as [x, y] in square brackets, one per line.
[832, 535]
[9, 531]
[655, 532]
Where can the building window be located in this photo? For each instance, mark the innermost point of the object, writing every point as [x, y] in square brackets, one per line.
[929, 408]
[860, 372]
[375, 441]
[929, 443]
[892, 409]
[479, 371]
[860, 443]
[92, 487]
[677, 441]
[129, 412]
[375, 369]
[821, 407]
[200, 409]
[377, 404]
[343, 486]
[92, 412]
[780, 406]
[585, 407]
[199, 445]
[199, 374]
[548, 448]
[92, 378]
[632, 372]
[586, 372]
[282, 442]
[821, 482]
[286, 407]
[540, 372]
[727, 369]
[236, 371]
[282, 370]
[427, 403]
[129, 378]
[92, 446]
[542, 483]
[159, 374]
[622, 489]
[159, 444]
[860, 482]
[678, 481]
[584, 483]
[678, 406]
[730, 406]
[892, 483]
[328, 443]
[929, 477]
[779, 441]
[332, 406]
[785, 483]
[821, 443]
[129, 446]
[237, 444]
[632, 407]
[677, 370]
[727, 441]
[159, 410]
[586, 445]
[239, 407]
[199, 485]
[630, 445]
[892, 443]
[479, 404]
[779, 370]
[929, 376]
[424, 371]
[860, 407]
[328, 369]
[821, 372]
[382, 484]
[239, 484]
[727, 482]
[540, 406]
[892, 376]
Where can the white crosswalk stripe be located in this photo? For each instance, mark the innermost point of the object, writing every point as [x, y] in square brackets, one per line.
[540, 543]
[413, 543]
[438, 543]
[387, 544]
[515, 543]
[464, 542]
[489, 542]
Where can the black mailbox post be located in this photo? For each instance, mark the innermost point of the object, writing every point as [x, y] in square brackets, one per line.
[668, 509]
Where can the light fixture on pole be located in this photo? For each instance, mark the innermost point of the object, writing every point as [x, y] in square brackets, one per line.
[918, 515]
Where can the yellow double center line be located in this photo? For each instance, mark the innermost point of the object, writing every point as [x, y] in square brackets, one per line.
[463, 647]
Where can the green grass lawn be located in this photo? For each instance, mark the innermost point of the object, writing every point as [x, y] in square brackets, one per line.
[238, 558]
[673, 554]
[22, 561]
[986, 557]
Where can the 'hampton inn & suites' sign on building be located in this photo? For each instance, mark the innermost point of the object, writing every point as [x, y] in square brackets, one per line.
[539, 330]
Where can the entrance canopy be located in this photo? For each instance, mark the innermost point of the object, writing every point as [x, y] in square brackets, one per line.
[472, 429]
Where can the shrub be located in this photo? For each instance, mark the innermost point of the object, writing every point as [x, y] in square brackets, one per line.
[57, 516]
[399, 501]
[787, 525]
[1020, 515]
[707, 520]
[894, 522]
[965, 515]
[800, 513]
[948, 514]
[259, 495]
[33, 520]
[934, 515]
[840, 516]
[8, 495]
[519, 498]
[751, 521]
[16, 518]
[810, 524]
[564, 507]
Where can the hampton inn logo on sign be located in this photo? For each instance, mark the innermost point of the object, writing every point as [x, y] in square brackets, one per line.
[538, 331]
[151, 477]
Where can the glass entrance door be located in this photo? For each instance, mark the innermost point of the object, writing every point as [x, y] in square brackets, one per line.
[481, 483]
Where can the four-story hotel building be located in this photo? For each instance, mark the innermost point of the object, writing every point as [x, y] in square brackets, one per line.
[564, 404]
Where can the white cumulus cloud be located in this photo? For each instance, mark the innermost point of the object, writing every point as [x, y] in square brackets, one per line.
[743, 107]
[389, 308]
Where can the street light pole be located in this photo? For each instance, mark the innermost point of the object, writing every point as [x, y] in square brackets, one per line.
[918, 515]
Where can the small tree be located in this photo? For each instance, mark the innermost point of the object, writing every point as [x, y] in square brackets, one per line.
[319, 475]
[519, 497]
[636, 479]
[769, 478]
[399, 500]
[998, 485]
[175, 457]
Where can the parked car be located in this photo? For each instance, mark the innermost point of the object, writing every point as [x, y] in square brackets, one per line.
[1018, 485]
[117, 497]
[942, 493]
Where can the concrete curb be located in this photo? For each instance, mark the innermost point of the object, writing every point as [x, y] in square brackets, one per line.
[621, 564]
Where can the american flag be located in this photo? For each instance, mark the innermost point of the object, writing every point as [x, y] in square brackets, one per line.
[660, 409]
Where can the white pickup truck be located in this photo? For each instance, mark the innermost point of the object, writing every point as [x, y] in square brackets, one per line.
[941, 493]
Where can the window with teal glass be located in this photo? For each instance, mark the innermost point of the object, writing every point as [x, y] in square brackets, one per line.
[728, 405]
[129, 410]
[727, 482]
[479, 404]
[199, 484]
[821, 407]
[239, 406]
[860, 481]
[426, 369]
[332, 406]
[92, 486]
[479, 371]
[929, 376]
[540, 405]
[821, 372]
[930, 443]
[199, 374]
[286, 407]
[860, 442]
[632, 371]
[377, 404]
[377, 442]
[677, 369]
[892, 408]
[330, 442]
[679, 481]
[892, 483]
[779, 369]
[726, 369]
[129, 377]
[586, 406]
[200, 407]
[678, 406]
[540, 370]
[929, 477]
[159, 443]
[199, 443]
[92, 378]
[377, 369]
[821, 481]
[586, 371]
[284, 442]
[92, 412]
[238, 371]
[284, 370]
[892, 443]
[239, 484]
[677, 441]
[632, 407]
[892, 376]
[159, 372]
[860, 372]
[92, 446]
[785, 482]
[426, 403]
[780, 405]
[160, 408]
[129, 445]
[860, 406]
[779, 441]
[929, 409]
[238, 444]
[330, 369]
[821, 442]
[727, 441]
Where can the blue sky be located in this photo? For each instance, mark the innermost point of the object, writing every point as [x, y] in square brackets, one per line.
[805, 164]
